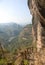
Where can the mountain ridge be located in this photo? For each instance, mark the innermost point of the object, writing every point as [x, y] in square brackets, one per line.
[8, 31]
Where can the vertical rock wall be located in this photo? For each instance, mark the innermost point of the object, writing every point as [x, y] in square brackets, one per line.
[37, 9]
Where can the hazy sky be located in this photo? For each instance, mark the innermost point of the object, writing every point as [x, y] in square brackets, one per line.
[14, 11]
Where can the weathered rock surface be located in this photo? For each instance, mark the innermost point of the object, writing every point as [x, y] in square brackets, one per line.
[37, 9]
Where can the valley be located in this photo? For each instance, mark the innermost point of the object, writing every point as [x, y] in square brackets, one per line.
[14, 44]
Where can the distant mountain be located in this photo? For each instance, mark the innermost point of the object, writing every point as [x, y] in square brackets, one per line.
[9, 31]
[23, 40]
[26, 34]
[25, 37]
[13, 36]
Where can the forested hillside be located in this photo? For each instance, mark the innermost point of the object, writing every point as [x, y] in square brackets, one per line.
[24, 39]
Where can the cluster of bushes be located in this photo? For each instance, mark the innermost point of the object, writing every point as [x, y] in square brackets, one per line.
[25, 62]
[3, 62]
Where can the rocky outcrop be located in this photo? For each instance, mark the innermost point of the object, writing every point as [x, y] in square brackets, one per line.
[37, 9]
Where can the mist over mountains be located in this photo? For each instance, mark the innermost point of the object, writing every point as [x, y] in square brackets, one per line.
[13, 35]
[9, 31]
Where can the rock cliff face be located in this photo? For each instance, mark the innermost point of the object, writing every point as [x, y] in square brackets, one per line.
[37, 9]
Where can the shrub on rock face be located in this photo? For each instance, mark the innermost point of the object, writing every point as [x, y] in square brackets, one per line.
[26, 62]
[3, 62]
